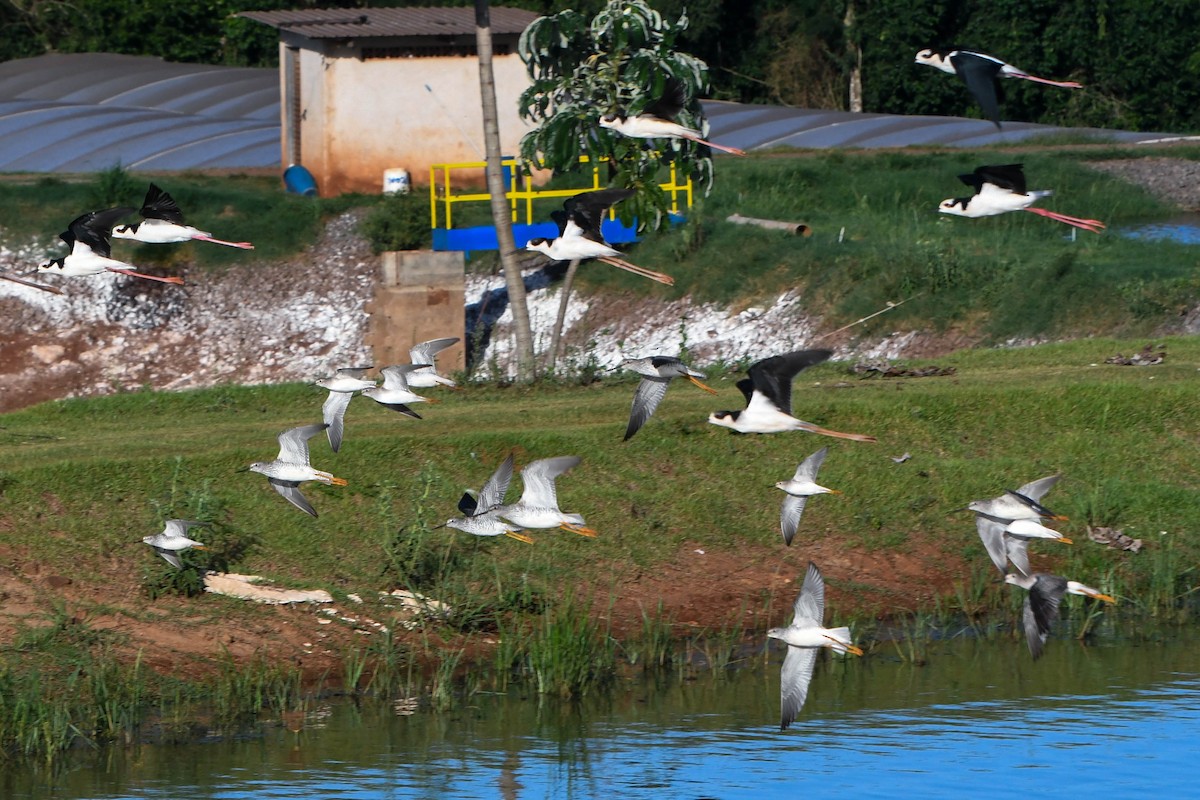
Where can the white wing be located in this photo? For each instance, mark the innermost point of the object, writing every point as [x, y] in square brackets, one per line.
[793, 682]
[293, 443]
[539, 477]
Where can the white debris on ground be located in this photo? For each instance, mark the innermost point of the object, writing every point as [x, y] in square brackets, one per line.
[251, 587]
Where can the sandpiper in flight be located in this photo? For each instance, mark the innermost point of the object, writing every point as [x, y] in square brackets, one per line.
[802, 486]
[394, 393]
[982, 74]
[656, 372]
[1000, 189]
[992, 517]
[1041, 605]
[768, 393]
[342, 387]
[805, 637]
[538, 506]
[173, 540]
[479, 512]
[291, 466]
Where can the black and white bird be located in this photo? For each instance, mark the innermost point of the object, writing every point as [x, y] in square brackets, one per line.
[768, 393]
[162, 223]
[805, 638]
[579, 235]
[174, 539]
[982, 74]
[657, 120]
[394, 393]
[1001, 188]
[342, 386]
[479, 511]
[424, 353]
[657, 373]
[1040, 610]
[88, 237]
[802, 486]
[291, 467]
[995, 517]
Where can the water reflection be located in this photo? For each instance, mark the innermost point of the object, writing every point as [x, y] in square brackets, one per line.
[980, 719]
[1185, 230]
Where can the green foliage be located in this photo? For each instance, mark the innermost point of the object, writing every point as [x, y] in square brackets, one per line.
[398, 222]
[618, 62]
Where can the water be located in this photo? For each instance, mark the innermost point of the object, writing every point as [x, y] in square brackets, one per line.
[1185, 230]
[978, 720]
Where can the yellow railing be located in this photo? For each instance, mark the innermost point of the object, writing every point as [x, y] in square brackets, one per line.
[522, 192]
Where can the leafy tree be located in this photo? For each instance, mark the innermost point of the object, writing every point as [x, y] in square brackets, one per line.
[617, 62]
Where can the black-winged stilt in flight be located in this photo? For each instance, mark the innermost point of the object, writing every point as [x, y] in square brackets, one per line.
[657, 120]
[1000, 189]
[162, 223]
[88, 238]
[768, 393]
[579, 233]
[982, 73]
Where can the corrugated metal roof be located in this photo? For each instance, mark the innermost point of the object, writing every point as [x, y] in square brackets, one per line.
[87, 112]
[357, 23]
[752, 127]
[90, 111]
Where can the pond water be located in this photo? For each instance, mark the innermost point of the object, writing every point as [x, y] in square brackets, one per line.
[978, 719]
[1185, 230]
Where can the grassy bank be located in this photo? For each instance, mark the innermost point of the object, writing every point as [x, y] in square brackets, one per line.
[83, 480]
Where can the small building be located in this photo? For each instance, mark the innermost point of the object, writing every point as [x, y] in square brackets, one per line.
[369, 89]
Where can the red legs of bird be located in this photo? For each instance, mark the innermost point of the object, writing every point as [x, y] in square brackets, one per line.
[1093, 225]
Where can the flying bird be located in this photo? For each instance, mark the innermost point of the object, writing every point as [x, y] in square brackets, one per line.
[1000, 189]
[88, 237]
[479, 517]
[291, 467]
[173, 540]
[804, 638]
[342, 386]
[579, 235]
[394, 393]
[1041, 604]
[162, 223]
[538, 506]
[657, 120]
[993, 519]
[802, 486]
[768, 393]
[982, 74]
[424, 354]
[657, 373]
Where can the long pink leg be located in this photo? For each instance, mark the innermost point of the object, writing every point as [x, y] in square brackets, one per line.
[636, 270]
[716, 146]
[23, 282]
[1093, 225]
[172, 279]
[1048, 82]
[240, 245]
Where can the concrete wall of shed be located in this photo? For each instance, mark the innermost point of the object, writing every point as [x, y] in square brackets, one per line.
[362, 116]
[420, 296]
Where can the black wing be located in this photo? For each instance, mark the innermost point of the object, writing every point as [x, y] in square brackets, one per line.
[1041, 610]
[981, 76]
[588, 209]
[671, 102]
[94, 229]
[1005, 176]
[773, 376]
[160, 205]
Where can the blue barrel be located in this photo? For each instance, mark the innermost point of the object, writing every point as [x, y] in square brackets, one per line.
[298, 180]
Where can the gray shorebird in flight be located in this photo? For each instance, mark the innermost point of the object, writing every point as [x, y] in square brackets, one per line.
[291, 467]
[1040, 610]
[802, 486]
[174, 539]
[805, 638]
[342, 386]
[657, 373]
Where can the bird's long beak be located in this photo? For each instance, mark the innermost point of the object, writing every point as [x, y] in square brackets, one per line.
[708, 389]
[1065, 540]
[1103, 597]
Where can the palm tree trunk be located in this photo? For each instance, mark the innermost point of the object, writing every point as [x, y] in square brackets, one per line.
[495, 182]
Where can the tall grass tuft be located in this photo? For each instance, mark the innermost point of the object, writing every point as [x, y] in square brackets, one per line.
[569, 654]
